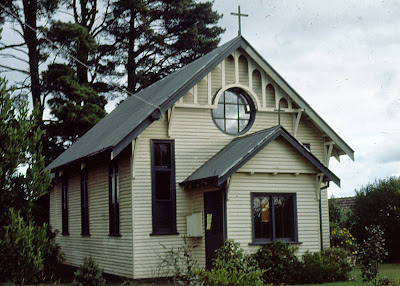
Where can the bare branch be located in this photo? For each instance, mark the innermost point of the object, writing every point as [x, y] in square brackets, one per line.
[14, 69]
[10, 46]
[100, 28]
[14, 57]
[19, 32]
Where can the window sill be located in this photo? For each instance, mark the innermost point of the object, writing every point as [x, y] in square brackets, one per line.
[272, 241]
[85, 234]
[164, 233]
[65, 233]
[114, 235]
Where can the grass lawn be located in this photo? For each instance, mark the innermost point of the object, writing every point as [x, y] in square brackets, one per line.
[385, 270]
[391, 271]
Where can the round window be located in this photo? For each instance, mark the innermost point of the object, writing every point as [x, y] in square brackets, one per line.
[235, 112]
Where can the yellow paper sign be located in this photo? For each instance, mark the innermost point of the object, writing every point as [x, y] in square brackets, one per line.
[209, 220]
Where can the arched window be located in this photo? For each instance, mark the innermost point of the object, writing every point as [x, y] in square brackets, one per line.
[235, 112]
[283, 103]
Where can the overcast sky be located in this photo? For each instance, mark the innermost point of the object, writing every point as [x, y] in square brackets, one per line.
[343, 58]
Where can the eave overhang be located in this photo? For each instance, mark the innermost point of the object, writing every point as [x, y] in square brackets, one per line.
[234, 155]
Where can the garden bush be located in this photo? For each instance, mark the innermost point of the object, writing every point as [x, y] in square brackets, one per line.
[372, 253]
[25, 250]
[378, 203]
[280, 262]
[179, 264]
[89, 274]
[342, 238]
[330, 265]
[232, 266]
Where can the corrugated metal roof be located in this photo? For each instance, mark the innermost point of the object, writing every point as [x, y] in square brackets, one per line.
[117, 130]
[127, 120]
[240, 150]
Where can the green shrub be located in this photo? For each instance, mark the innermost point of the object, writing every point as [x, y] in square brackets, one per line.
[372, 253]
[179, 264]
[23, 249]
[342, 238]
[339, 217]
[230, 277]
[89, 274]
[378, 203]
[385, 281]
[280, 262]
[330, 265]
[52, 255]
[232, 266]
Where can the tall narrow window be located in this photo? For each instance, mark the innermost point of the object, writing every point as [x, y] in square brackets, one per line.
[84, 203]
[64, 204]
[163, 187]
[113, 186]
[274, 217]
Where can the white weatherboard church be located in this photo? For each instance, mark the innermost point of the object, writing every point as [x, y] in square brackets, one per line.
[200, 154]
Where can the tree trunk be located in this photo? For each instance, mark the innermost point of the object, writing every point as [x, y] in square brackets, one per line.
[30, 10]
[131, 66]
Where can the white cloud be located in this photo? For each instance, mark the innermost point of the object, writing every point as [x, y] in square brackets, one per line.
[342, 57]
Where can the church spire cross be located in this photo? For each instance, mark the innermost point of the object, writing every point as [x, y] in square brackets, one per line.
[240, 22]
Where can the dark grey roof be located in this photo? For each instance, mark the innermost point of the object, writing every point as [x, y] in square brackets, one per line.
[240, 150]
[136, 113]
[132, 116]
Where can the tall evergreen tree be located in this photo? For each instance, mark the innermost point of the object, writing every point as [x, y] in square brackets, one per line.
[26, 14]
[155, 37]
[77, 93]
[75, 107]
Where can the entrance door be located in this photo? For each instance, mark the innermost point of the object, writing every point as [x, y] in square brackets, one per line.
[214, 223]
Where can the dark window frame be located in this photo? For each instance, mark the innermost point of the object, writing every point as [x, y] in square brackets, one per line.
[64, 205]
[240, 94]
[294, 226]
[84, 204]
[113, 196]
[156, 209]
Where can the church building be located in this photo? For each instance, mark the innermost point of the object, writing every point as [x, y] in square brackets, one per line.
[223, 148]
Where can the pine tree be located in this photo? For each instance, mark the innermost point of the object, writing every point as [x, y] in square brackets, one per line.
[76, 107]
[26, 15]
[75, 104]
[155, 37]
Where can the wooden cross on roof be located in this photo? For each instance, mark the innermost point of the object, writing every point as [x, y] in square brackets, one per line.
[240, 22]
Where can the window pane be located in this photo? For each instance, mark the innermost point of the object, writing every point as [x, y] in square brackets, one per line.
[231, 126]
[243, 114]
[283, 217]
[221, 98]
[231, 111]
[163, 185]
[262, 217]
[220, 123]
[234, 104]
[163, 214]
[162, 155]
[257, 217]
[266, 217]
[230, 97]
[242, 124]
[219, 112]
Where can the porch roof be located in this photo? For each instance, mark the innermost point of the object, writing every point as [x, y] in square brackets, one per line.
[240, 150]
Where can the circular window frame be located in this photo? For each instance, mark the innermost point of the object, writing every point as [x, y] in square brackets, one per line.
[247, 97]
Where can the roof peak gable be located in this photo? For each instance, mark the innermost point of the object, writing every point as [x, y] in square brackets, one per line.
[240, 150]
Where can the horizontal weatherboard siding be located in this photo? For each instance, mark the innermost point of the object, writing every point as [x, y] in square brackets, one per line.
[106, 250]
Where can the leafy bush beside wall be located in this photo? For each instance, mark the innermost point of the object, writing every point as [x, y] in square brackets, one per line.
[280, 262]
[330, 265]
